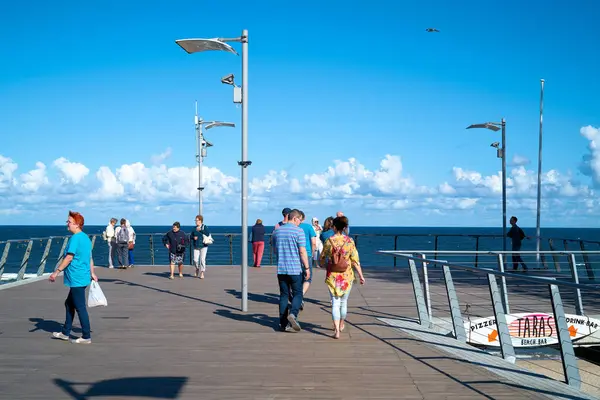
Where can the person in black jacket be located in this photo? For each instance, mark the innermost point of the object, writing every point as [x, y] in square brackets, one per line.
[176, 241]
[258, 242]
[200, 248]
[517, 235]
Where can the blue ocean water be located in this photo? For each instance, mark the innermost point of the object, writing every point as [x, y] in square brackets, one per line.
[227, 248]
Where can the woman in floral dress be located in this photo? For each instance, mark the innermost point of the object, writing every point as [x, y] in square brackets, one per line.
[340, 283]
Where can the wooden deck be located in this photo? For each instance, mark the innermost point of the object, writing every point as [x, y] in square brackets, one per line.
[187, 339]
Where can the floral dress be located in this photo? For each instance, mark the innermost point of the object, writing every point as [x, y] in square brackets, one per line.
[339, 283]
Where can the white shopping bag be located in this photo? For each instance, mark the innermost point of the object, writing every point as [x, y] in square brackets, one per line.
[95, 296]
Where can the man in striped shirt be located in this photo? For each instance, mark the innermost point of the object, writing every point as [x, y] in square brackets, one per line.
[292, 267]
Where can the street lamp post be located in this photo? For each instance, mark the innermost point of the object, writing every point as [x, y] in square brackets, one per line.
[203, 144]
[496, 126]
[199, 45]
[538, 232]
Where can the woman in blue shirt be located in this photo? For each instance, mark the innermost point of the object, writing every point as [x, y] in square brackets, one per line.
[78, 267]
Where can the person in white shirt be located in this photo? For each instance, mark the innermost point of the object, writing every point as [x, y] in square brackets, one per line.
[131, 243]
[109, 236]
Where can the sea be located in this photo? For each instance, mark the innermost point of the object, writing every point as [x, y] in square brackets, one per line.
[226, 249]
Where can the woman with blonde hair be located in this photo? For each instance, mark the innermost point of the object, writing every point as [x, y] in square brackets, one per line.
[340, 257]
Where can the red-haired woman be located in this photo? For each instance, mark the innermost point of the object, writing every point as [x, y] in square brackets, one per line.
[78, 267]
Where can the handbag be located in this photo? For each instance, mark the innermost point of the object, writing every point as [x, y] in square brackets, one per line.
[130, 246]
[207, 239]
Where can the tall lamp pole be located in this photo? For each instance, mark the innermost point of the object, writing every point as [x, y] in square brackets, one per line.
[240, 95]
[203, 144]
[496, 126]
[539, 176]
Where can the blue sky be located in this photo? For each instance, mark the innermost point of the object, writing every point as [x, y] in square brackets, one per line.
[352, 106]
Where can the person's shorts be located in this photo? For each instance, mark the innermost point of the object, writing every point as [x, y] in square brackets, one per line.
[176, 258]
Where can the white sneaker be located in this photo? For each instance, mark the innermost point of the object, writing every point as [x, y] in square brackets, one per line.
[81, 341]
[294, 322]
[59, 335]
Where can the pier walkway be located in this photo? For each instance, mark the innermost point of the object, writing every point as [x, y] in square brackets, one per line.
[187, 339]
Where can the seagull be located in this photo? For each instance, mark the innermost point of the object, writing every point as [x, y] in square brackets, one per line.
[432, 30]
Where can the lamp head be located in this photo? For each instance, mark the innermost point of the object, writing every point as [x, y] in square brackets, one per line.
[495, 145]
[228, 80]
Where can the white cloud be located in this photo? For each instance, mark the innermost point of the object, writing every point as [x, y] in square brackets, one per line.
[110, 187]
[160, 158]
[72, 172]
[7, 170]
[33, 180]
[385, 190]
[591, 162]
[519, 160]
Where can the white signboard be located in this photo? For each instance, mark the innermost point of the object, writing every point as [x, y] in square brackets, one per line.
[529, 329]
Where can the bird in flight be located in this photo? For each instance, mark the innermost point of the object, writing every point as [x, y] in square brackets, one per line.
[432, 30]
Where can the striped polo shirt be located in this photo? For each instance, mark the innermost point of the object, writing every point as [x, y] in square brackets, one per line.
[288, 239]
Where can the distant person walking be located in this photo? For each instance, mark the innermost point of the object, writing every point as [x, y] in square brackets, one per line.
[327, 230]
[200, 248]
[292, 264]
[316, 252]
[340, 214]
[311, 242]
[517, 235]
[175, 241]
[122, 241]
[285, 212]
[78, 268]
[258, 242]
[130, 243]
[340, 257]
[109, 236]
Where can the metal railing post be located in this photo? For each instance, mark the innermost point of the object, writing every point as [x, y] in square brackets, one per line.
[395, 248]
[151, 249]
[435, 247]
[569, 361]
[419, 299]
[4, 257]
[457, 321]
[554, 256]
[586, 260]
[506, 346]
[477, 249]
[271, 250]
[24, 261]
[575, 276]
[42, 266]
[503, 288]
[61, 255]
[426, 286]
[231, 249]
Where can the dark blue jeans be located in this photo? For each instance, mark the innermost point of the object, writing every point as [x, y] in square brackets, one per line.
[76, 302]
[289, 284]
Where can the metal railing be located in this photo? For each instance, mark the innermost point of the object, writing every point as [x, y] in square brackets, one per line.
[26, 258]
[439, 283]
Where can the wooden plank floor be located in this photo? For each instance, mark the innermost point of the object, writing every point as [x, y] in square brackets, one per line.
[187, 339]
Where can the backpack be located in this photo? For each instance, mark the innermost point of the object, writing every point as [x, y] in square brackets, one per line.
[337, 262]
[123, 236]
